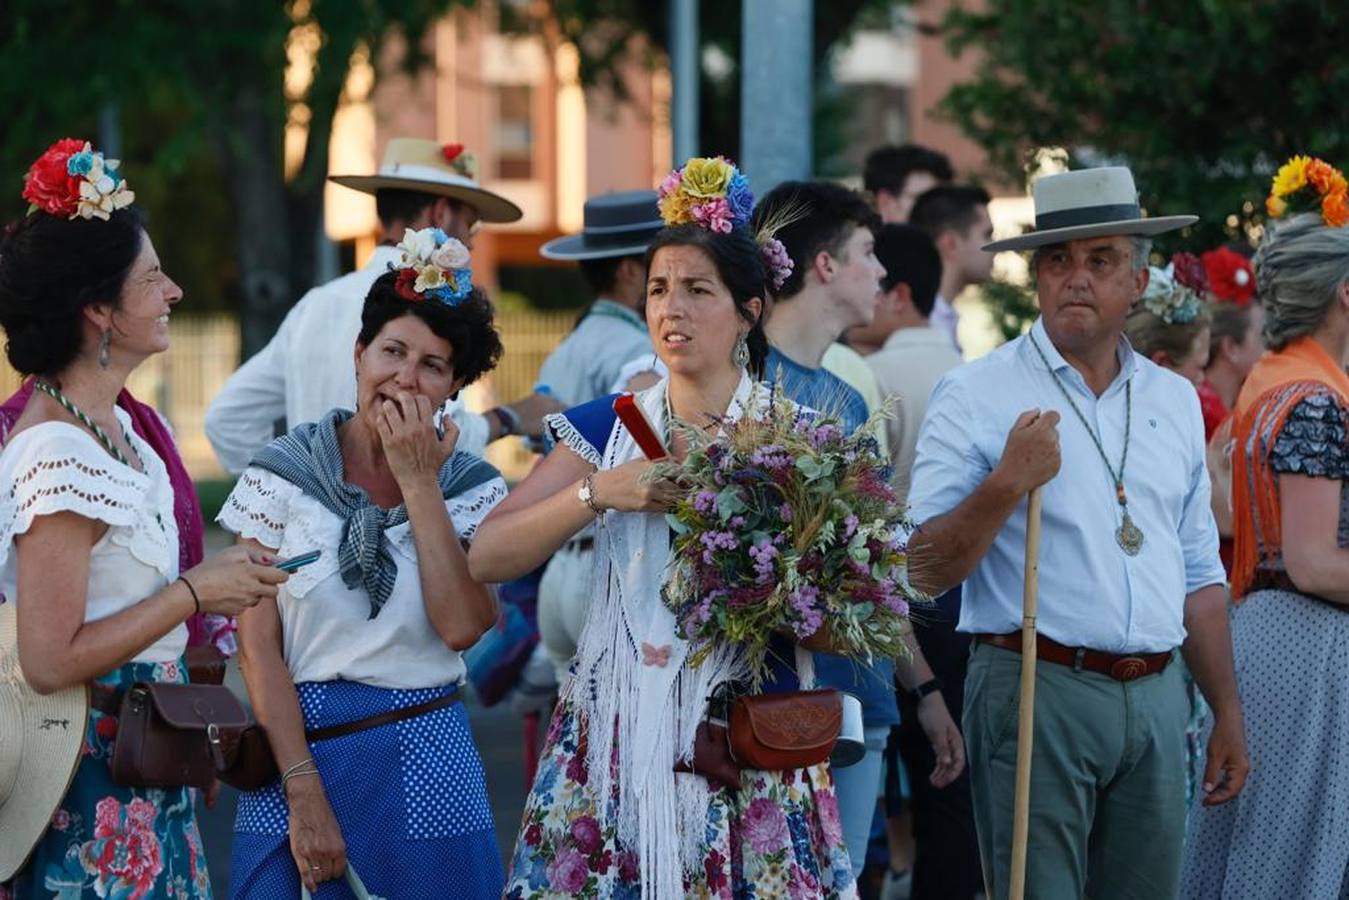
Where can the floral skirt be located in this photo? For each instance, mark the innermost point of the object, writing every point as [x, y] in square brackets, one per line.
[114, 842]
[778, 836]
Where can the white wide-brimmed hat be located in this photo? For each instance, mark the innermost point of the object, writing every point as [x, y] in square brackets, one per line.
[1088, 203]
[415, 164]
[41, 738]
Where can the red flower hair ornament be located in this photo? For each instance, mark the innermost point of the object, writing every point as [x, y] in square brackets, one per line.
[73, 180]
[1231, 278]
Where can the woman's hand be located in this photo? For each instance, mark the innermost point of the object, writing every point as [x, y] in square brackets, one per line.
[630, 488]
[411, 446]
[234, 580]
[315, 838]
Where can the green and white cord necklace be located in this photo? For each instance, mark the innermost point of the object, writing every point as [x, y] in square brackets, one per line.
[52, 391]
[1129, 536]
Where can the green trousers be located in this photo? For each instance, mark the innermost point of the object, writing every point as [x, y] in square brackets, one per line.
[1107, 795]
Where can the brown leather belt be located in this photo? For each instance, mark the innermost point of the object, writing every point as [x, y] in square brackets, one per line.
[109, 701]
[1119, 666]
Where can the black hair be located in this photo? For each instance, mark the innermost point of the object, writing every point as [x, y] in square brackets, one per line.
[741, 266]
[910, 257]
[475, 345]
[826, 215]
[887, 168]
[948, 207]
[51, 268]
[600, 274]
[398, 205]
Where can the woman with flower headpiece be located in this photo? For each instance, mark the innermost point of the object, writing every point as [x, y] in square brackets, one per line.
[608, 815]
[90, 554]
[354, 670]
[1284, 835]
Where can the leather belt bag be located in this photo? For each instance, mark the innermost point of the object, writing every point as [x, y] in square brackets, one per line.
[169, 735]
[205, 664]
[248, 753]
[790, 730]
[1119, 666]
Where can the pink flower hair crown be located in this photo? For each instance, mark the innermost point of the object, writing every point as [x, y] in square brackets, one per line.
[710, 192]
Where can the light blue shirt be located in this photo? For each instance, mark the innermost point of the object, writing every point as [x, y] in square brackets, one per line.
[1092, 594]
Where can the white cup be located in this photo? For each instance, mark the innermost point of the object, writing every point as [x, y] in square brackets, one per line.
[851, 745]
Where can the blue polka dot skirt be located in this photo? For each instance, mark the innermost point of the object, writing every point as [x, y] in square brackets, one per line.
[410, 797]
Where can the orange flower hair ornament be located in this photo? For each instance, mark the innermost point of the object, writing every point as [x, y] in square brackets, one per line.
[1306, 184]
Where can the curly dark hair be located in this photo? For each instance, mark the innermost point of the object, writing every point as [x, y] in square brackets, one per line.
[741, 266]
[51, 268]
[469, 327]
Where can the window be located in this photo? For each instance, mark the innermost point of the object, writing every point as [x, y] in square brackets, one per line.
[515, 131]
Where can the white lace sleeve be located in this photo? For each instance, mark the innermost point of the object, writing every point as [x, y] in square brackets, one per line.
[467, 510]
[258, 507]
[54, 468]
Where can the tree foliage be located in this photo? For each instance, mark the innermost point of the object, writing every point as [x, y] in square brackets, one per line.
[1202, 99]
[195, 92]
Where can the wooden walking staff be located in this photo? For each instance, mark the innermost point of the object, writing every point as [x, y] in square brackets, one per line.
[1025, 726]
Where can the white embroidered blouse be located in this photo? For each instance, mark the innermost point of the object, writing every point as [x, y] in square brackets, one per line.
[57, 467]
[327, 632]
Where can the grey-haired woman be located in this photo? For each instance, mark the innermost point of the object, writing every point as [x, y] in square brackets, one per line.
[1285, 835]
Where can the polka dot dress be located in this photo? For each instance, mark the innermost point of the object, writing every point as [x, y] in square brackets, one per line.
[410, 797]
[1287, 834]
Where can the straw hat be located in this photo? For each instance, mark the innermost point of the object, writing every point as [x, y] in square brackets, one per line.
[41, 738]
[1088, 203]
[414, 164]
[617, 224]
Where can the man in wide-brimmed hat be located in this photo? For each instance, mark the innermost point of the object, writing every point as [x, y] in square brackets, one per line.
[609, 350]
[305, 370]
[1129, 569]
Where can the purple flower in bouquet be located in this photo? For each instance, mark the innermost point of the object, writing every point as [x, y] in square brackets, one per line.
[805, 602]
[849, 526]
[763, 555]
[705, 502]
[774, 456]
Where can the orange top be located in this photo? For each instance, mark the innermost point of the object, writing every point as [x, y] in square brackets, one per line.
[1275, 386]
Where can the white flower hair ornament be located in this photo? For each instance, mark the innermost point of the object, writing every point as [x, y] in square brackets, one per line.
[435, 267]
[1169, 300]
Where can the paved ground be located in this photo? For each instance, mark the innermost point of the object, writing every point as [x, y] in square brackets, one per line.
[499, 734]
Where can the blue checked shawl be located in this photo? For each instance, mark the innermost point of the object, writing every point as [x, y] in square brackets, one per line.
[310, 458]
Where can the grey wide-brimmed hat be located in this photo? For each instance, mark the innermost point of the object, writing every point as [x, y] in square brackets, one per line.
[1088, 203]
[41, 740]
[618, 224]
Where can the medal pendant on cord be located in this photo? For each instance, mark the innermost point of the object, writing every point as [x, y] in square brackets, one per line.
[1129, 536]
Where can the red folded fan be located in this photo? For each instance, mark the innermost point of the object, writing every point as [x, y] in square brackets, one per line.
[633, 417]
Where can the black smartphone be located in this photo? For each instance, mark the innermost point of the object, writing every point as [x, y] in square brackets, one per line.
[298, 562]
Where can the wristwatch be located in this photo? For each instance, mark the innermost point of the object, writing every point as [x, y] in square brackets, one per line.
[931, 686]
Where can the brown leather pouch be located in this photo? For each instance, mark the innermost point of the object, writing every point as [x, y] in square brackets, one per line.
[205, 664]
[249, 761]
[790, 730]
[169, 735]
[712, 756]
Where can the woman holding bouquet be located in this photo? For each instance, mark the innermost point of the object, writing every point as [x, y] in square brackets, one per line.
[608, 815]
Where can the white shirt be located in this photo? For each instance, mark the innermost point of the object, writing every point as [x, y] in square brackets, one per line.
[57, 467]
[907, 368]
[327, 632]
[1091, 593]
[851, 366]
[945, 319]
[307, 369]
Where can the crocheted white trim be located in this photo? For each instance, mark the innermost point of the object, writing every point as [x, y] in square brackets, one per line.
[310, 526]
[55, 467]
[566, 434]
[259, 507]
[467, 511]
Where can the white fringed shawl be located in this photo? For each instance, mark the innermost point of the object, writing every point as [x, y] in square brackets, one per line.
[656, 707]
